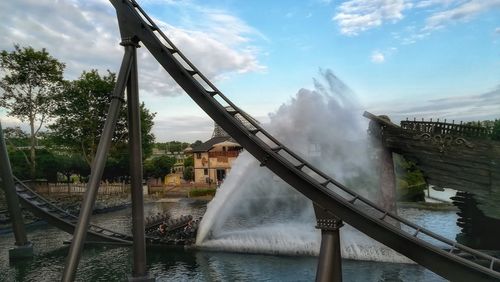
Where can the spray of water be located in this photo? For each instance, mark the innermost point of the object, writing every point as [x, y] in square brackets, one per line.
[255, 211]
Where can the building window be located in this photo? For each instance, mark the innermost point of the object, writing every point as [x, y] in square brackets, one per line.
[198, 155]
[205, 171]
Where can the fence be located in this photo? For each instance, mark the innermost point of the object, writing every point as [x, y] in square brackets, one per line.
[443, 128]
[79, 188]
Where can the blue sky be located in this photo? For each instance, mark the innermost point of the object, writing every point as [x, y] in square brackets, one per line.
[429, 58]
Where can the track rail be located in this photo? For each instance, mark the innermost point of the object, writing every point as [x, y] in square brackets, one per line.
[62, 219]
[437, 253]
[43, 208]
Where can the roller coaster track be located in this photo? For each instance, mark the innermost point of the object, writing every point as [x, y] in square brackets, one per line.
[438, 254]
[44, 209]
[54, 215]
[62, 219]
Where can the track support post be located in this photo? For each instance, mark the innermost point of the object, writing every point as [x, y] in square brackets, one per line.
[97, 168]
[139, 271]
[330, 260]
[23, 248]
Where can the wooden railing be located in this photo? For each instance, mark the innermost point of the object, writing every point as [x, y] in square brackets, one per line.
[228, 154]
[436, 127]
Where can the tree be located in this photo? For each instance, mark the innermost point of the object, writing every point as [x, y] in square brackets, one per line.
[81, 113]
[189, 161]
[196, 143]
[495, 133]
[188, 168]
[188, 174]
[31, 80]
[159, 166]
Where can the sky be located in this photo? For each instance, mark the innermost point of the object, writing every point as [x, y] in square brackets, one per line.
[401, 58]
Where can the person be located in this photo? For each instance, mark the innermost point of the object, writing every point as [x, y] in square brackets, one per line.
[163, 228]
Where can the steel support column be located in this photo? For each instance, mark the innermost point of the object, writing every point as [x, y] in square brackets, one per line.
[97, 168]
[139, 272]
[330, 260]
[23, 248]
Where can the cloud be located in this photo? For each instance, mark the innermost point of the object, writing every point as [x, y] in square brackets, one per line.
[469, 107]
[429, 3]
[355, 16]
[85, 36]
[377, 57]
[463, 12]
[497, 30]
[183, 128]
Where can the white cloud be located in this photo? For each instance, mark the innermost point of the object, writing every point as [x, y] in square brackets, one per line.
[462, 12]
[429, 3]
[377, 57]
[85, 35]
[497, 30]
[467, 107]
[355, 16]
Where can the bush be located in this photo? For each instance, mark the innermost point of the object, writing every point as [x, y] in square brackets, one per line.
[198, 192]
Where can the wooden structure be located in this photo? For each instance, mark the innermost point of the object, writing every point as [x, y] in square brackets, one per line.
[450, 155]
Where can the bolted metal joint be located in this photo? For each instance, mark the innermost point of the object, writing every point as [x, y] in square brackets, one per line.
[119, 96]
[329, 224]
[130, 41]
[264, 160]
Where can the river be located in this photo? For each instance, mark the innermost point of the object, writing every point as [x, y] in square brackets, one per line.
[112, 263]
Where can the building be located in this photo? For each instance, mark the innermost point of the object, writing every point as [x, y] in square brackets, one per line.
[213, 159]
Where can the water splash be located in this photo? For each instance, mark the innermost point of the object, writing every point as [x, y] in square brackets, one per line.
[255, 211]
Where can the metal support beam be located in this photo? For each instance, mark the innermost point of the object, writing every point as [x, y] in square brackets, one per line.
[23, 248]
[139, 272]
[330, 260]
[97, 168]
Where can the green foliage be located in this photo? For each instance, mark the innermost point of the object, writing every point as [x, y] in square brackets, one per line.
[172, 146]
[158, 167]
[49, 165]
[188, 174]
[492, 125]
[81, 114]
[410, 180]
[16, 137]
[202, 192]
[189, 161]
[196, 143]
[31, 80]
[495, 133]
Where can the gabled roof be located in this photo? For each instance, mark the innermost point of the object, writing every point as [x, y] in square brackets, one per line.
[204, 147]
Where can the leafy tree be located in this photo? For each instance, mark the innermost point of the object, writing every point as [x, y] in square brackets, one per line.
[188, 168]
[81, 113]
[189, 162]
[159, 166]
[495, 133]
[15, 136]
[188, 174]
[196, 143]
[31, 80]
